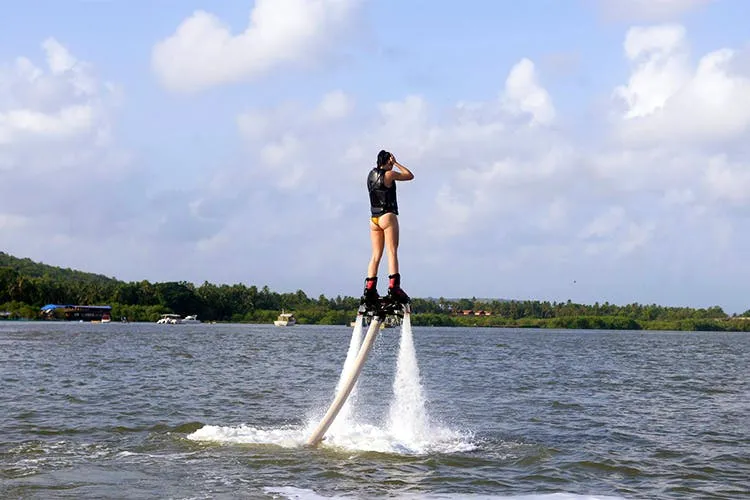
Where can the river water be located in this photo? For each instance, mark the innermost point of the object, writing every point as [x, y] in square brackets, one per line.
[223, 411]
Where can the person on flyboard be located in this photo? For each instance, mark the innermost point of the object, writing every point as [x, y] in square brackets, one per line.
[384, 230]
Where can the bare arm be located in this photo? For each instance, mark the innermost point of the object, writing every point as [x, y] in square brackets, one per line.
[403, 174]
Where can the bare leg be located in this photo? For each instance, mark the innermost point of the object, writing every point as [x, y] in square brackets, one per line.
[377, 239]
[389, 223]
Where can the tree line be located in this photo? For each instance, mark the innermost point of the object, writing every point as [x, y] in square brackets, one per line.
[25, 286]
[145, 301]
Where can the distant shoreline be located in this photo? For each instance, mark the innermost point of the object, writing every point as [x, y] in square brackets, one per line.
[27, 286]
[430, 320]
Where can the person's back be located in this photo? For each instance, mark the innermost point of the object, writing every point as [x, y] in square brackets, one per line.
[382, 198]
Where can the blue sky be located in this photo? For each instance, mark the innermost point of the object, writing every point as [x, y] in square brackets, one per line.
[584, 150]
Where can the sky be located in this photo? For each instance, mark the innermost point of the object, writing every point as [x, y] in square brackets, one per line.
[584, 150]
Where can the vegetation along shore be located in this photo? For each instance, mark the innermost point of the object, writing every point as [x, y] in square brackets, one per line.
[25, 286]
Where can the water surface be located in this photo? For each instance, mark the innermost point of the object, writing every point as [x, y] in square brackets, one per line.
[223, 411]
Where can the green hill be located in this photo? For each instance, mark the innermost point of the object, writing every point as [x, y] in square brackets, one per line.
[29, 268]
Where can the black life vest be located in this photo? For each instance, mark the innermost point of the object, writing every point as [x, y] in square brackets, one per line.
[382, 198]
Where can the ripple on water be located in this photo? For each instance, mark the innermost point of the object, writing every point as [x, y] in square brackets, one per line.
[223, 409]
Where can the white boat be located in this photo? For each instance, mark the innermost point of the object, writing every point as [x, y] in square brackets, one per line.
[170, 319]
[192, 319]
[285, 319]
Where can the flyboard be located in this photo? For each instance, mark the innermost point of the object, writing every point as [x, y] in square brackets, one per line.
[379, 312]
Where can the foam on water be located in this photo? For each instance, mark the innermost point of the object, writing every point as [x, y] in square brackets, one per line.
[408, 430]
[357, 437]
[306, 494]
[287, 437]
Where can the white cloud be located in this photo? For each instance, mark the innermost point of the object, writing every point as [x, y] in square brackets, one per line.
[669, 100]
[289, 144]
[60, 167]
[605, 223]
[335, 106]
[475, 163]
[63, 103]
[61, 62]
[638, 236]
[557, 213]
[68, 122]
[661, 59]
[58, 57]
[507, 200]
[728, 182]
[252, 124]
[647, 10]
[203, 52]
[496, 183]
[679, 197]
[281, 152]
[523, 93]
[612, 233]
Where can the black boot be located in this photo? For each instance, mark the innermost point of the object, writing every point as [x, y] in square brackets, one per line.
[395, 292]
[370, 296]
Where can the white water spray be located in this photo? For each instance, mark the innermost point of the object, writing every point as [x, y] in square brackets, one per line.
[408, 431]
[343, 420]
[408, 420]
